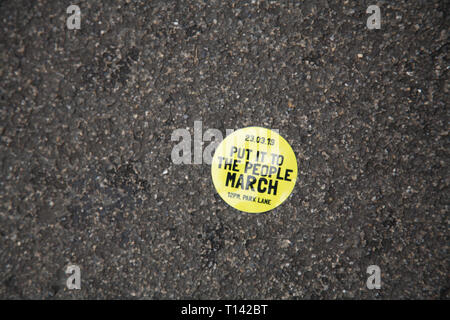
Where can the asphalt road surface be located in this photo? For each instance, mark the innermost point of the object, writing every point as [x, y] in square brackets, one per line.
[86, 175]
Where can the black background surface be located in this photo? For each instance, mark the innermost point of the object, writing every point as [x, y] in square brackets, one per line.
[86, 118]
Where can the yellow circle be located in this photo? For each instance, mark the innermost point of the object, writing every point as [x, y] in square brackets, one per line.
[254, 169]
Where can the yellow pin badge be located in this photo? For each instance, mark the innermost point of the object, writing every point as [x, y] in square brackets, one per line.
[254, 169]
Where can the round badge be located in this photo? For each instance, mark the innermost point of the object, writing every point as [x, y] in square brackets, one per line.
[254, 169]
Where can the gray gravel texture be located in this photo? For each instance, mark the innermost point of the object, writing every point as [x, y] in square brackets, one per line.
[86, 118]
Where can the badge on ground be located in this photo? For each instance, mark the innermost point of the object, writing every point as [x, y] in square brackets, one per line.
[254, 169]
